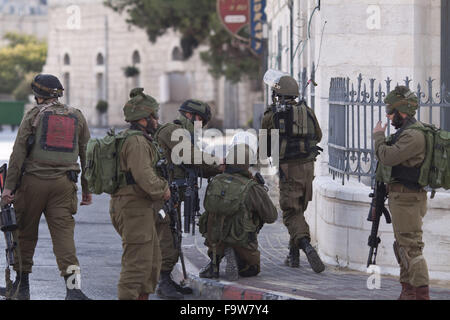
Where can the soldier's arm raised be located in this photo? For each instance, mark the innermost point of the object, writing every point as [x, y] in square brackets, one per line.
[410, 144]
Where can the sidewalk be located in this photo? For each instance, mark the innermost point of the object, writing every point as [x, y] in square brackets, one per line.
[277, 281]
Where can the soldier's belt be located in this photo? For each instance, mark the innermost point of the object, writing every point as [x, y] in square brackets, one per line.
[397, 187]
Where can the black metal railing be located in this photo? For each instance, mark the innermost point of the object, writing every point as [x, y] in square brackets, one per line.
[353, 114]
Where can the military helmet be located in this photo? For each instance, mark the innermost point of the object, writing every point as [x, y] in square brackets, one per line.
[281, 83]
[140, 106]
[196, 107]
[47, 86]
[240, 156]
[403, 100]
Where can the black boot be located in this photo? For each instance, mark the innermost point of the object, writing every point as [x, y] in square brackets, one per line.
[312, 255]
[293, 258]
[166, 289]
[73, 292]
[231, 269]
[21, 287]
[181, 289]
[210, 271]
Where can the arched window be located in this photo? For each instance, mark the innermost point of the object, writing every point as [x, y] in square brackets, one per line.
[100, 59]
[66, 60]
[136, 59]
[177, 54]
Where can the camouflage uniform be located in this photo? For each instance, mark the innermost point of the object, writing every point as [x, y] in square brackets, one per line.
[259, 210]
[296, 169]
[163, 135]
[400, 157]
[44, 169]
[134, 207]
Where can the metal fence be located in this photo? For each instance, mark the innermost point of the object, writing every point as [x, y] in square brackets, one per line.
[355, 110]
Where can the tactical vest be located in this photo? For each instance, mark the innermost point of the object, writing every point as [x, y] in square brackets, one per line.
[55, 130]
[230, 220]
[175, 172]
[297, 129]
[411, 177]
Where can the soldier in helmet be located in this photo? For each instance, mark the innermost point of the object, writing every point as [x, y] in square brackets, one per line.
[399, 159]
[299, 133]
[190, 111]
[134, 206]
[237, 206]
[42, 176]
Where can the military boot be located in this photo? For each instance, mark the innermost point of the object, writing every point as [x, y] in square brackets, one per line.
[166, 289]
[231, 269]
[143, 296]
[408, 292]
[210, 271]
[422, 293]
[293, 258]
[21, 287]
[312, 255]
[74, 293]
[181, 289]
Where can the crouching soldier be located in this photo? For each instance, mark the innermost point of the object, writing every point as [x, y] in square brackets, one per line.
[236, 209]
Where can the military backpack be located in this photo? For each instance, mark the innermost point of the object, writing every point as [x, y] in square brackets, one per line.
[230, 221]
[103, 165]
[435, 169]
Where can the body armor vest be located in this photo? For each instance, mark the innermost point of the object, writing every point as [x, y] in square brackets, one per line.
[55, 135]
[297, 129]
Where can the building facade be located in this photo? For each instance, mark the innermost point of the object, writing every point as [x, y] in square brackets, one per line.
[382, 43]
[23, 16]
[101, 57]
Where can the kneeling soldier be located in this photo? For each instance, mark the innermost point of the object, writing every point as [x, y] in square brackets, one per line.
[236, 209]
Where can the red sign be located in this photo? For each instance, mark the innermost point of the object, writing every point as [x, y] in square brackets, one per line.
[234, 14]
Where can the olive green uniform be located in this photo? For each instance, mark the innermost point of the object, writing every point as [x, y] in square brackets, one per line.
[408, 206]
[296, 177]
[163, 136]
[134, 209]
[262, 210]
[45, 186]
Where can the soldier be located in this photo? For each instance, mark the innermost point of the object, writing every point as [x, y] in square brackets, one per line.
[190, 111]
[400, 157]
[236, 209]
[42, 176]
[134, 207]
[299, 133]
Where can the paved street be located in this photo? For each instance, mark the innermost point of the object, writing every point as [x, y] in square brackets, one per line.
[99, 252]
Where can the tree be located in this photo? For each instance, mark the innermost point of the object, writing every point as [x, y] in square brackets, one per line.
[198, 23]
[24, 54]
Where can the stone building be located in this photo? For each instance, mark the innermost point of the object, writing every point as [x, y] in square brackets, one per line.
[23, 16]
[333, 43]
[92, 48]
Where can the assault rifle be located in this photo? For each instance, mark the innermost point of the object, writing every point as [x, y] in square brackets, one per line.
[172, 208]
[8, 225]
[191, 200]
[377, 209]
